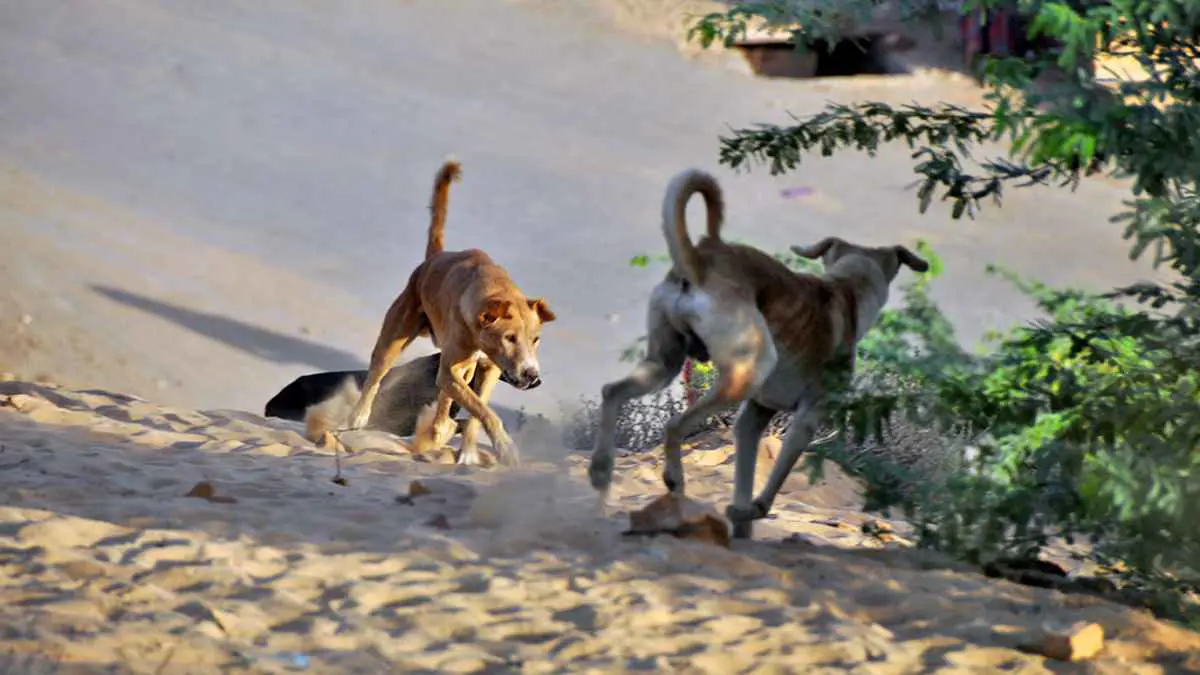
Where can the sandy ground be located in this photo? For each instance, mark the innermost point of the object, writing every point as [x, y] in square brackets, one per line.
[199, 202]
[108, 567]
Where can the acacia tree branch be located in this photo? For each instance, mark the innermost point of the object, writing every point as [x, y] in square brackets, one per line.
[940, 137]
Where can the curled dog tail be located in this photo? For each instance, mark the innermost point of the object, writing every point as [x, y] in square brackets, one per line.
[320, 419]
[450, 172]
[684, 255]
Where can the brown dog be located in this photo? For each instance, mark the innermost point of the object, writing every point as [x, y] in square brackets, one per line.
[474, 312]
[771, 333]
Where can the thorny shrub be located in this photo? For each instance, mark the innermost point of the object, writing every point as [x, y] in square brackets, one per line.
[1086, 423]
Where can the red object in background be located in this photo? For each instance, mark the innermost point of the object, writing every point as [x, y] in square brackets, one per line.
[688, 390]
[988, 32]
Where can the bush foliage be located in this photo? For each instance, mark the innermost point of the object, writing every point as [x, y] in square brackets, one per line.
[1086, 422]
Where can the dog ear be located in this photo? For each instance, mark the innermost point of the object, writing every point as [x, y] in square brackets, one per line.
[816, 250]
[493, 311]
[911, 259]
[543, 310]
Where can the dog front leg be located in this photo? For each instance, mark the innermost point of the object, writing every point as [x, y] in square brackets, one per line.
[795, 443]
[680, 426]
[752, 420]
[461, 393]
[470, 435]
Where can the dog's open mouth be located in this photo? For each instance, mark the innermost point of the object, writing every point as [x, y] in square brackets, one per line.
[516, 383]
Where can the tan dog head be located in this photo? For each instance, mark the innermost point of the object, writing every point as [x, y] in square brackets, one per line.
[888, 258]
[509, 333]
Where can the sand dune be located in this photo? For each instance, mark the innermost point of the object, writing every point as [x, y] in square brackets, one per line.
[424, 567]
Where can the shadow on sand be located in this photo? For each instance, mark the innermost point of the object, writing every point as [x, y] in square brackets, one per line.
[261, 342]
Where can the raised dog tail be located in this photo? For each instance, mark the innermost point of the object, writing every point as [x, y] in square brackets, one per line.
[684, 255]
[450, 172]
[321, 419]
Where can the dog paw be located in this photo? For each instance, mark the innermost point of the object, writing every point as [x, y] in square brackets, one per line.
[761, 510]
[465, 458]
[743, 529]
[443, 433]
[669, 481]
[673, 480]
[423, 445]
[508, 453]
[737, 514]
[742, 514]
[432, 431]
[600, 472]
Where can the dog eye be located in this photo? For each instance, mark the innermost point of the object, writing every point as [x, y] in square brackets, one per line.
[536, 340]
[510, 338]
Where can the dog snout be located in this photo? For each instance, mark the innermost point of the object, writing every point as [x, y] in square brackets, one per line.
[530, 377]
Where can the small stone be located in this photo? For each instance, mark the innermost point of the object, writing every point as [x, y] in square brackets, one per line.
[83, 569]
[22, 402]
[682, 518]
[439, 521]
[876, 528]
[417, 489]
[26, 319]
[205, 490]
[1077, 642]
[835, 523]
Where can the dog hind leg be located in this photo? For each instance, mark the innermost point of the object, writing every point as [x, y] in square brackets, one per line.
[752, 420]
[402, 324]
[665, 353]
[743, 360]
[733, 384]
[795, 443]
